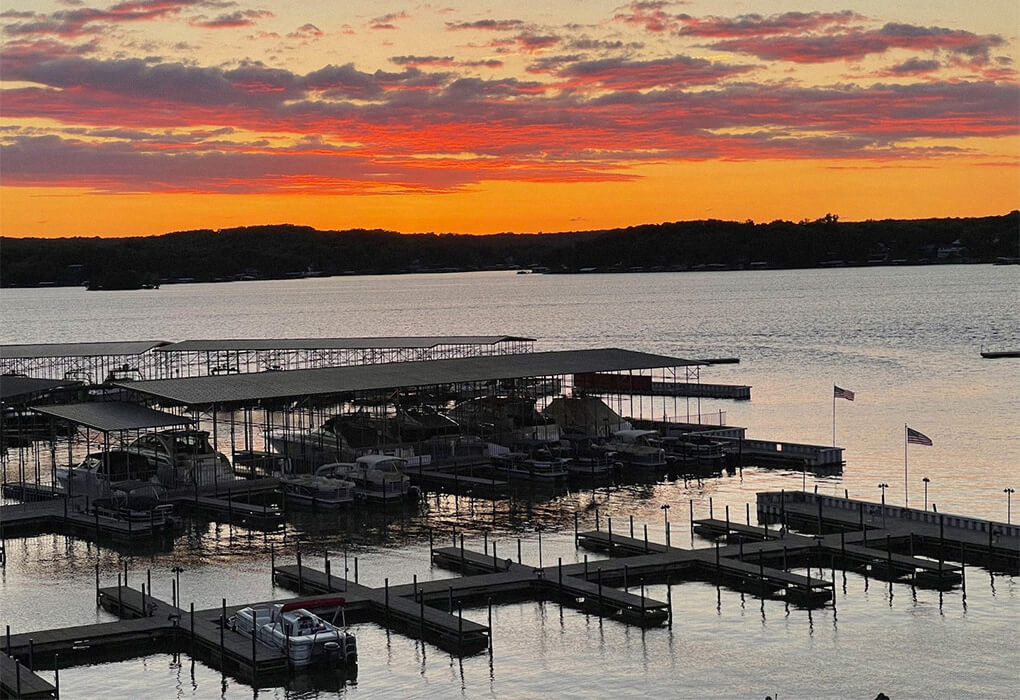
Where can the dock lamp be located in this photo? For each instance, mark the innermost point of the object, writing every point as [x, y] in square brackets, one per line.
[926, 480]
[177, 578]
[1009, 493]
[883, 486]
[665, 520]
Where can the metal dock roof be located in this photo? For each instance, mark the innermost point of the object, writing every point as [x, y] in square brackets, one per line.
[241, 388]
[14, 386]
[255, 344]
[127, 347]
[109, 416]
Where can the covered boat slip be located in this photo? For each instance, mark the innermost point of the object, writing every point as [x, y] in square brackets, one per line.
[95, 362]
[91, 363]
[254, 408]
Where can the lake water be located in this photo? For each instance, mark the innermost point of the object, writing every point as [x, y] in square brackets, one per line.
[905, 339]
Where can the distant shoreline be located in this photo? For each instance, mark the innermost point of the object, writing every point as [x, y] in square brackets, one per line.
[294, 252]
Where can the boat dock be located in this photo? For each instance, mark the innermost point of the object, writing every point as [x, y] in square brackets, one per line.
[737, 392]
[917, 548]
[19, 681]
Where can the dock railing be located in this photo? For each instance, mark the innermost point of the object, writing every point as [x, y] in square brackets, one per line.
[774, 503]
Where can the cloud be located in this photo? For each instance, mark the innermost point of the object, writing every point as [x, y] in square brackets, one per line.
[913, 66]
[494, 25]
[856, 44]
[85, 20]
[388, 21]
[758, 25]
[306, 31]
[621, 74]
[232, 20]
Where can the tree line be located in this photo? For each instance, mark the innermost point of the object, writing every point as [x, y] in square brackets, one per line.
[281, 251]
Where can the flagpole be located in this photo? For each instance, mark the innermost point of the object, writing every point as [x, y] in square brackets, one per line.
[833, 415]
[905, 465]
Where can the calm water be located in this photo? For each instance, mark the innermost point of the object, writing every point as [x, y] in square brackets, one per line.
[905, 339]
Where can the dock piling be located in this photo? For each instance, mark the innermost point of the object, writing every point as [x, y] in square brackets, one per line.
[329, 576]
[300, 578]
[223, 629]
[711, 515]
[355, 569]
[646, 538]
[490, 622]
[97, 582]
[31, 654]
[575, 531]
[386, 597]
[610, 526]
[519, 547]
[632, 526]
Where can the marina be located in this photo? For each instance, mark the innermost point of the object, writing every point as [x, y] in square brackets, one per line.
[775, 584]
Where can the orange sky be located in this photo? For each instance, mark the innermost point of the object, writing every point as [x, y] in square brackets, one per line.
[148, 116]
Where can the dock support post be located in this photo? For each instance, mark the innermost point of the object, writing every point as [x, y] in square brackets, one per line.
[329, 577]
[120, 599]
[888, 547]
[963, 569]
[495, 561]
[784, 559]
[31, 654]
[355, 569]
[727, 523]
[449, 593]
[585, 567]
[386, 598]
[191, 619]
[431, 545]
[667, 534]
[223, 630]
[97, 582]
[761, 573]
[421, 614]
[460, 623]
[148, 581]
[598, 521]
[272, 564]
[56, 676]
[300, 574]
[690, 502]
[625, 574]
[8, 640]
[490, 622]
[669, 602]
[485, 541]
[747, 513]
[600, 589]
[462, 560]
[347, 571]
[741, 543]
[646, 538]
[632, 527]
[711, 510]
[519, 546]
[575, 531]
[254, 664]
[610, 526]
[559, 574]
[642, 601]
[717, 557]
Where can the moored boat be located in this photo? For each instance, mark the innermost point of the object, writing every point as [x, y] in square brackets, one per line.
[637, 448]
[314, 491]
[379, 478]
[304, 637]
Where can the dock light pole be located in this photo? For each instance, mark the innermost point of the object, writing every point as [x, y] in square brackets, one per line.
[1009, 494]
[177, 577]
[883, 486]
[539, 529]
[665, 520]
[926, 480]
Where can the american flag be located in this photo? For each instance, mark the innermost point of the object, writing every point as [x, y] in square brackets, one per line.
[917, 438]
[842, 393]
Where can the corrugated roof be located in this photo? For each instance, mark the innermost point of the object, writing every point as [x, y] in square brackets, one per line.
[110, 416]
[15, 386]
[245, 388]
[401, 342]
[127, 347]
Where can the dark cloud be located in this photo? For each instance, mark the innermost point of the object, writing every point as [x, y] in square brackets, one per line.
[495, 25]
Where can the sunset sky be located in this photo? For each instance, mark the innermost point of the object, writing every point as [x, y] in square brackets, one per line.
[149, 116]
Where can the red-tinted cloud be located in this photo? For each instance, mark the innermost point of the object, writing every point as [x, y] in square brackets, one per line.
[86, 20]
